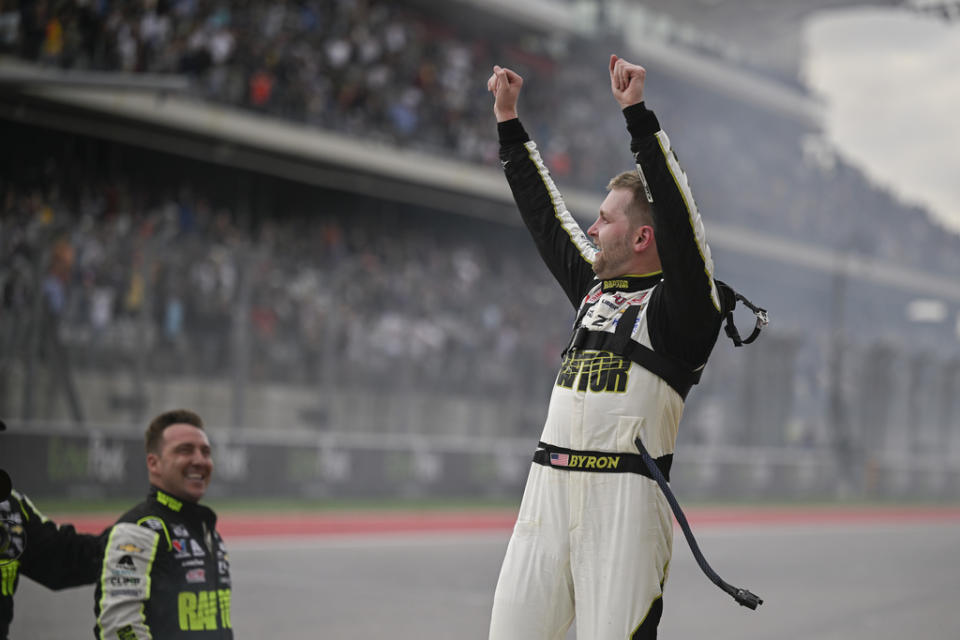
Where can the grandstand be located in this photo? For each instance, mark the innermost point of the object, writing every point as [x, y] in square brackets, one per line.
[245, 211]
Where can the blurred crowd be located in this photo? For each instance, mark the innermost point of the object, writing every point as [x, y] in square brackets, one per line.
[400, 74]
[172, 273]
[131, 269]
[392, 72]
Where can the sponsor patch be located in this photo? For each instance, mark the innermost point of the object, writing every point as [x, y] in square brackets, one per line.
[154, 523]
[180, 547]
[615, 284]
[196, 575]
[123, 570]
[129, 548]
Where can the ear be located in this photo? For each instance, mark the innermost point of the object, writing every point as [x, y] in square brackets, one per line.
[643, 238]
[153, 461]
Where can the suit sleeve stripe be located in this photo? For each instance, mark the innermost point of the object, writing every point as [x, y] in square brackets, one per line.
[163, 526]
[128, 545]
[560, 211]
[24, 499]
[149, 588]
[103, 583]
[696, 222]
[19, 497]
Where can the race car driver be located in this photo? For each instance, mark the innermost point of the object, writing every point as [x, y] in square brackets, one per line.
[166, 573]
[593, 537]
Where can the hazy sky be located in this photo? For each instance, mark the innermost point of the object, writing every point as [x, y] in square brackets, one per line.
[890, 81]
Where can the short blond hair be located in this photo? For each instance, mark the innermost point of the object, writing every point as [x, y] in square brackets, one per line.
[639, 211]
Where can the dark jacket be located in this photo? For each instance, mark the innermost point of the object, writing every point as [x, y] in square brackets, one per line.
[166, 574]
[56, 557]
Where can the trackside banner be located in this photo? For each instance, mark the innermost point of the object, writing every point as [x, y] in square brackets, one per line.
[102, 464]
[92, 463]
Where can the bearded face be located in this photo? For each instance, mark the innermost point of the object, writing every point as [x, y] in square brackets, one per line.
[614, 257]
[612, 233]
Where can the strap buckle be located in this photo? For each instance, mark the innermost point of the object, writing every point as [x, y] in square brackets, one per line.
[763, 319]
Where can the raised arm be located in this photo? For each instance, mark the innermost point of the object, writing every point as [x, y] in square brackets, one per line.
[564, 247]
[687, 303]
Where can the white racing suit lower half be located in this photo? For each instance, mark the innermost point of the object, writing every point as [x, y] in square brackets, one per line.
[602, 540]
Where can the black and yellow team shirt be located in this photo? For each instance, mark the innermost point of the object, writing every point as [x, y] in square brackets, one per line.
[34, 546]
[165, 574]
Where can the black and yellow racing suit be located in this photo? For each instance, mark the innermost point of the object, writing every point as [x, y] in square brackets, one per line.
[165, 574]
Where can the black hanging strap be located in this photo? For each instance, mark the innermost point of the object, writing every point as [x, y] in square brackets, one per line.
[742, 596]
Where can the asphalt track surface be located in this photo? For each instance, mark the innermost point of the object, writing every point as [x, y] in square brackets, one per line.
[834, 576]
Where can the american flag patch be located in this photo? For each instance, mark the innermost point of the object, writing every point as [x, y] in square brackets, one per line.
[559, 459]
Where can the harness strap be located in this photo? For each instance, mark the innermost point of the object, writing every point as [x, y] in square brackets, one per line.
[620, 343]
[674, 372]
[730, 303]
[580, 316]
[566, 459]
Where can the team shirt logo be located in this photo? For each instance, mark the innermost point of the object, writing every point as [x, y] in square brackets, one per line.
[597, 371]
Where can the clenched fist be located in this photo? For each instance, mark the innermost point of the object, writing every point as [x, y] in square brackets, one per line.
[626, 81]
[505, 85]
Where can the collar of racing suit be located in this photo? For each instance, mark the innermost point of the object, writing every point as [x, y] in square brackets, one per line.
[191, 510]
[631, 283]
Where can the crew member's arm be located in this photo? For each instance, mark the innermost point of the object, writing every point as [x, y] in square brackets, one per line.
[57, 557]
[9, 575]
[125, 582]
[564, 247]
[687, 305]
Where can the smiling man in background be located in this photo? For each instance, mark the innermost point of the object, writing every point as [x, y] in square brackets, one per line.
[165, 570]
